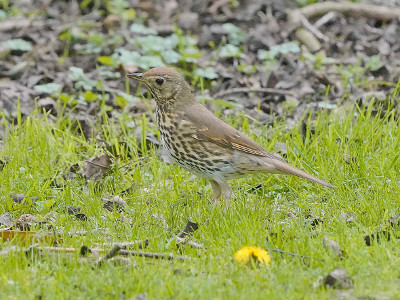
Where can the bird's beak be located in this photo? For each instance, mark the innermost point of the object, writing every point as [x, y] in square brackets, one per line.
[136, 76]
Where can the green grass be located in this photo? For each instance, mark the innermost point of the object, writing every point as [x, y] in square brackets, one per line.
[40, 150]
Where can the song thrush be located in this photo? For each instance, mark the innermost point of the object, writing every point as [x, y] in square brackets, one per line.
[202, 143]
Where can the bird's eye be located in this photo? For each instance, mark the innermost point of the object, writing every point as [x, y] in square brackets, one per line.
[159, 81]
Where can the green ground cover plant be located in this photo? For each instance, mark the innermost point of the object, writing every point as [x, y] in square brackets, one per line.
[357, 150]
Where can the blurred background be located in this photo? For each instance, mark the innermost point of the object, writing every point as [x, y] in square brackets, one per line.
[269, 59]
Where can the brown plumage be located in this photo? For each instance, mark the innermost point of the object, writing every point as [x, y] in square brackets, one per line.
[202, 143]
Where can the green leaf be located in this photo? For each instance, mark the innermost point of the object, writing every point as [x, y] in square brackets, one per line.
[141, 29]
[236, 36]
[373, 63]
[81, 81]
[132, 58]
[191, 54]
[43, 205]
[274, 51]
[224, 103]
[152, 43]
[171, 56]
[230, 50]
[106, 60]
[108, 73]
[18, 44]
[129, 14]
[3, 14]
[208, 73]
[89, 96]
[48, 88]
[129, 98]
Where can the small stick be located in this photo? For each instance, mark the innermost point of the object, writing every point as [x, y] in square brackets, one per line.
[224, 93]
[152, 255]
[325, 19]
[354, 10]
[195, 245]
[139, 244]
[110, 254]
[294, 254]
[307, 25]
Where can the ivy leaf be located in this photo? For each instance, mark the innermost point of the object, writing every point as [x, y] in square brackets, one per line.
[124, 99]
[81, 81]
[236, 36]
[230, 50]
[141, 29]
[171, 56]
[152, 43]
[208, 73]
[18, 44]
[48, 88]
[274, 51]
[133, 58]
[191, 54]
[3, 15]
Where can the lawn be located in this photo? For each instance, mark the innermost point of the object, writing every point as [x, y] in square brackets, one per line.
[356, 149]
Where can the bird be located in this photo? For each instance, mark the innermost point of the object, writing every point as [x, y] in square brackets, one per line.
[203, 144]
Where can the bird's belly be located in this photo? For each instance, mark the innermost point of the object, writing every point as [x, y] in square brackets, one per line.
[204, 159]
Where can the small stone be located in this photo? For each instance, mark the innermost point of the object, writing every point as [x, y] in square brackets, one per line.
[338, 279]
[25, 222]
[48, 104]
[332, 245]
[188, 21]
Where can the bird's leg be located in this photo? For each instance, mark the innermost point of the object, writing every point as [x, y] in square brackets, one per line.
[216, 190]
[226, 193]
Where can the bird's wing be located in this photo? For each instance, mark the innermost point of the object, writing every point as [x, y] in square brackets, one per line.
[212, 129]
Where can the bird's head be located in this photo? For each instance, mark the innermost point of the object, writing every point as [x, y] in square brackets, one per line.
[164, 83]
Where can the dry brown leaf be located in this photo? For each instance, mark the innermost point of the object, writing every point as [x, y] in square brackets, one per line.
[95, 167]
[27, 236]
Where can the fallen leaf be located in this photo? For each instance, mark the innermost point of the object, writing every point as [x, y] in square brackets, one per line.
[114, 204]
[5, 219]
[27, 236]
[95, 168]
[76, 211]
[332, 245]
[189, 228]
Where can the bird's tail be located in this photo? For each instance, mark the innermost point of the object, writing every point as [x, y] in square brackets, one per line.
[285, 168]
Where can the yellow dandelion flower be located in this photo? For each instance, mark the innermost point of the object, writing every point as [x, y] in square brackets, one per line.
[247, 253]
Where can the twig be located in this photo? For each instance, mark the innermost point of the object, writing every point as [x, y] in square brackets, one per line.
[354, 10]
[113, 252]
[195, 245]
[140, 244]
[224, 93]
[307, 25]
[66, 250]
[293, 254]
[152, 255]
[217, 4]
[325, 19]
[307, 36]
